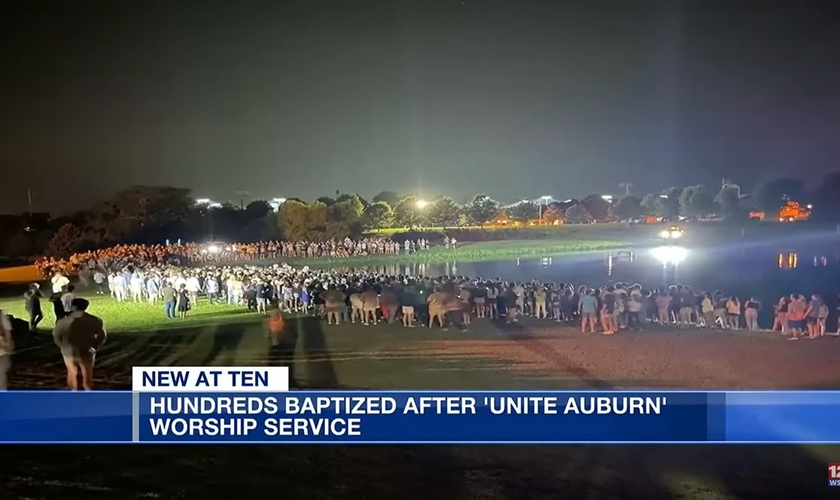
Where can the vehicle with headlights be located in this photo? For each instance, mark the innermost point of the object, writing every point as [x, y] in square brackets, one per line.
[671, 233]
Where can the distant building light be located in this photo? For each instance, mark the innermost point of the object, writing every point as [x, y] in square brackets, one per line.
[607, 197]
[202, 201]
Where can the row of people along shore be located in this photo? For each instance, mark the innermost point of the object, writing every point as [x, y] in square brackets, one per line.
[369, 297]
[182, 253]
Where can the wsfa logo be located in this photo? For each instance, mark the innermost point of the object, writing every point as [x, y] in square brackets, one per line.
[834, 475]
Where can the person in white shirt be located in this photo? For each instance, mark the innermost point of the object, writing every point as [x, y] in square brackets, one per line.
[99, 279]
[7, 347]
[153, 289]
[59, 281]
[119, 287]
[67, 299]
[194, 287]
[137, 284]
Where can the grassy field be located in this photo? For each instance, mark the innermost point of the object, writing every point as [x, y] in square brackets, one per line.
[532, 355]
[474, 252]
[699, 231]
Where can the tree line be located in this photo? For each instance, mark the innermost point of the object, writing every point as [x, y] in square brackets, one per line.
[151, 214]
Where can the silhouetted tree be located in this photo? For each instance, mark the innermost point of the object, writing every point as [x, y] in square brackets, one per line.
[378, 215]
[696, 201]
[578, 214]
[596, 206]
[443, 211]
[729, 200]
[627, 207]
[771, 194]
[481, 209]
[525, 211]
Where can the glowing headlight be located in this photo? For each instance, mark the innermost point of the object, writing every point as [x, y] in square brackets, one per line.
[676, 234]
[665, 234]
[669, 255]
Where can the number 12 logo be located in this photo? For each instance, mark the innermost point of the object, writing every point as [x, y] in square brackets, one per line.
[834, 471]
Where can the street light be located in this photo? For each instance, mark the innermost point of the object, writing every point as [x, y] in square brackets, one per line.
[276, 202]
[544, 203]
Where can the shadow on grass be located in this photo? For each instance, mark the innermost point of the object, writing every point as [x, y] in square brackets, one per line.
[226, 340]
[313, 345]
[523, 336]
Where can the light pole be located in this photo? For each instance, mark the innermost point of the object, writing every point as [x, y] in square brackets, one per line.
[543, 204]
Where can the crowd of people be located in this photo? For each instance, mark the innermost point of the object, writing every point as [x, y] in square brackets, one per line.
[147, 275]
[347, 295]
[118, 257]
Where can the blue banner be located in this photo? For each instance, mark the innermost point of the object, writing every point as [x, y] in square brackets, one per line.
[420, 417]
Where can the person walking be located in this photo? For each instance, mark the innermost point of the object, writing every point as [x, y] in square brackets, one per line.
[78, 336]
[32, 304]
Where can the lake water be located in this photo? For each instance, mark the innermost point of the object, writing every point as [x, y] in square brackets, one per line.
[765, 272]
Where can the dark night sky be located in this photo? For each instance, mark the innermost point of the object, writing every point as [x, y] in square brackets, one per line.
[513, 98]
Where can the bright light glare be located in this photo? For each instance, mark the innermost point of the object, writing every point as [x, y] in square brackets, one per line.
[665, 234]
[213, 249]
[214, 205]
[607, 197]
[202, 201]
[422, 203]
[279, 200]
[676, 234]
[545, 197]
[669, 255]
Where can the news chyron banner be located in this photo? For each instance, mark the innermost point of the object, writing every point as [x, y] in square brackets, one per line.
[254, 405]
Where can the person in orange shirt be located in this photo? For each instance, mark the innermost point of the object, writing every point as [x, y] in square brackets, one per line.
[282, 349]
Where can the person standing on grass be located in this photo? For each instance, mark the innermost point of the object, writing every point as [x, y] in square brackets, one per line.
[170, 297]
[67, 299]
[32, 304]
[183, 301]
[58, 306]
[78, 337]
[59, 281]
[99, 278]
[7, 347]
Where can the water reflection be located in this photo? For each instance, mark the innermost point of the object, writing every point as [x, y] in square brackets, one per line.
[766, 270]
[788, 260]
